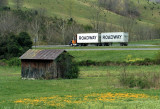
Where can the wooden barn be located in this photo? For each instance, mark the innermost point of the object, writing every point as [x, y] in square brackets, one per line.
[45, 64]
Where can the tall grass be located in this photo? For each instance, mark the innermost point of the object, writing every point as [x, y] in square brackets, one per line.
[92, 80]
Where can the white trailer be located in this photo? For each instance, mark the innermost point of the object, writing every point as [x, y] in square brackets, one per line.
[109, 38]
[84, 39]
[103, 39]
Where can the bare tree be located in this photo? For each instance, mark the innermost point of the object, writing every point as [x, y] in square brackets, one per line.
[18, 3]
[62, 26]
[122, 7]
[127, 24]
[35, 25]
[157, 30]
[3, 3]
[52, 33]
[96, 16]
[9, 23]
[72, 30]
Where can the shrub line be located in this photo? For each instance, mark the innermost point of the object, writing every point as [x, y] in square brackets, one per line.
[146, 61]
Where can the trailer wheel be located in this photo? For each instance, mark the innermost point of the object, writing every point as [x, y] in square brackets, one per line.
[121, 44]
[100, 44]
[126, 44]
[106, 44]
[85, 44]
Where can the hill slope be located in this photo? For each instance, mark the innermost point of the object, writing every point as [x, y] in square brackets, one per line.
[83, 10]
[90, 12]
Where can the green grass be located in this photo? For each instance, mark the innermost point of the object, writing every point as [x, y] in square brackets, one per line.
[146, 14]
[101, 71]
[150, 42]
[97, 80]
[111, 55]
[99, 47]
[93, 81]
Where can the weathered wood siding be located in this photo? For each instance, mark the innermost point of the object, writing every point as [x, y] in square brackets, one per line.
[46, 69]
[35, 68]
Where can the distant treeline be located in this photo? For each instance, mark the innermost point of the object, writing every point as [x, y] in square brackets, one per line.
[42, 29]
[125, 7]
[53, 30]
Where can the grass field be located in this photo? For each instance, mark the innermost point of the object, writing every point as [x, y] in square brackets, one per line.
[96, 88]
[151, 42]
[111, 55]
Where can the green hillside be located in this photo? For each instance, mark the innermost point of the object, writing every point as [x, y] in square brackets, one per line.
[66, 9]
[83, 10]
[139, 18]
[150, 12]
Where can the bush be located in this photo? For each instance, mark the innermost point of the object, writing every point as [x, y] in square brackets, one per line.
[157, 58]
[143, 82]
[127, 80]
[11, 62]
[146, 61]
[3, 62]
[9, 47]
[140, 80]
[5, 8]
[88, 28]
[24, 40]
[87, 63]
[14, 62]
[73, 72]
[14, 46]
[68, 67]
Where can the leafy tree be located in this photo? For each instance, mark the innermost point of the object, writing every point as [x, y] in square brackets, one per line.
[3, 47]
[68, 67]
[9, 47]
[14, 46]
[24, 40]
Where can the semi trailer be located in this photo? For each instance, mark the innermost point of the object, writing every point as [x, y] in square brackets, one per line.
[103, 39]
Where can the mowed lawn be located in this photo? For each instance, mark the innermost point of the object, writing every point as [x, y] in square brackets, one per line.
[96, 88]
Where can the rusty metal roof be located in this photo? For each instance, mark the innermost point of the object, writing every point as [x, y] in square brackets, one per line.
[48, 54]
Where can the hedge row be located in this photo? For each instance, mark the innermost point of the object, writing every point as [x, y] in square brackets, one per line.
[146, 61]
